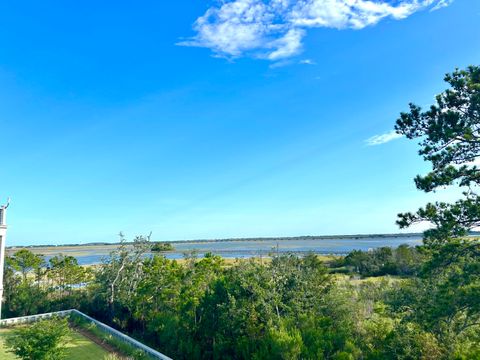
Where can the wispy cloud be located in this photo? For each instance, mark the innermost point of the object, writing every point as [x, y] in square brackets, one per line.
[274, 29]
[382, 138]
[307, 62]
[441, 4]
[280, 63]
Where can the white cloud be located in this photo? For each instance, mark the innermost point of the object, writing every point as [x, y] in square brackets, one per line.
[287, 62]
[288, 45]
[383, 138]
[441, 4]
[280, 63]
[274, 29]
[307, 62]
[232, 29]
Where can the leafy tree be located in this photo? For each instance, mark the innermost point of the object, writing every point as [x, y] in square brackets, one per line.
[22, 296]
[25, 261]
[408, 260]
[445, 299]
[44, 340]
[25, 299]
[281, 343]
[403, 260]
[121, 273]
[156, 301]
[450, 141]
[65, 273]
[160, 247]
[408, 342]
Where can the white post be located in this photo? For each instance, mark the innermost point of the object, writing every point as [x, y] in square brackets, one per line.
[3, 236]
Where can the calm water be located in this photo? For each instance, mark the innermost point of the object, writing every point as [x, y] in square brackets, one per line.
[245, 249]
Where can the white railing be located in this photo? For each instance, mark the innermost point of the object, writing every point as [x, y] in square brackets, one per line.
[33, 318]
[105, 328]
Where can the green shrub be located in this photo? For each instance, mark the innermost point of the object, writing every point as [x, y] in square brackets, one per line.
[44, 340]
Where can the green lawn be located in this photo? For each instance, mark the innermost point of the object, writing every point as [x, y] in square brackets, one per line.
[78, 348]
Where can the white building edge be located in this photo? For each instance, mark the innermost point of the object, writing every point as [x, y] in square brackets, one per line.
[3, 237]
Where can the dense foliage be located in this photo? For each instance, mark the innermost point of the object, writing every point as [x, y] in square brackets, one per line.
[449, 134]
[162, 246]
[44, 340]
[404, 303]
[286, 307]
[402, 261]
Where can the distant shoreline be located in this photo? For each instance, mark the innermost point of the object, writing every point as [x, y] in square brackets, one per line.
[289, 238]
[87, 254]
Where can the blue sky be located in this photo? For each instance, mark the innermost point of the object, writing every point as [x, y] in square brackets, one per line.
[211, 120]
